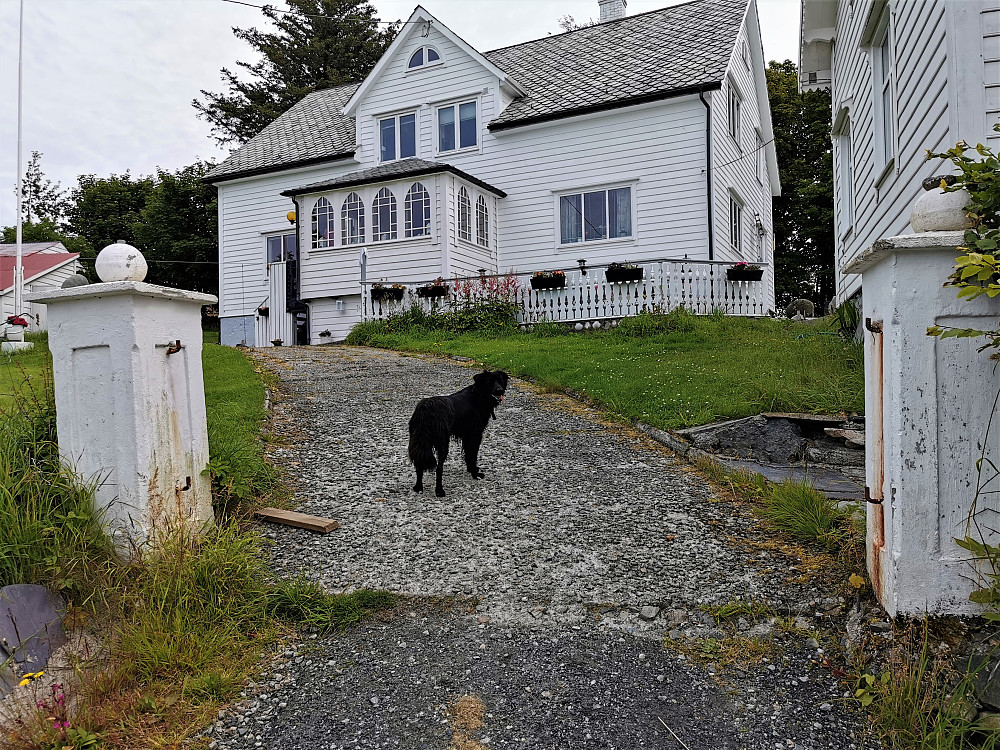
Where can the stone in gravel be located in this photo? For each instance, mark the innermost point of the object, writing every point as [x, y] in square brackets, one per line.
[649, 613]
[988, 721]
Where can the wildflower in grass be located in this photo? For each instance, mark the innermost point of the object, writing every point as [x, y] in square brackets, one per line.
[29, 678]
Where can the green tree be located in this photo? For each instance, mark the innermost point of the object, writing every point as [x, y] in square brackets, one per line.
[803, 214]
[177, 230]
[318, 44]
[41, 198]
[104, 210]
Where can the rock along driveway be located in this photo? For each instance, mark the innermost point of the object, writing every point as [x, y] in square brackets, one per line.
[547, 565]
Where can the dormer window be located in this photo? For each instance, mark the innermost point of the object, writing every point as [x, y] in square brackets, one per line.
[423, 57]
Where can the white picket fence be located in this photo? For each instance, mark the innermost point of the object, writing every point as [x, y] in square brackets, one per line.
[700, 286]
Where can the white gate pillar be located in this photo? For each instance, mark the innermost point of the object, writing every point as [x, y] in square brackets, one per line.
[130, 400]
[927, 406]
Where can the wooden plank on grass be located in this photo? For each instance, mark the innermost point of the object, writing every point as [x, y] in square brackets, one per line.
[299, 520]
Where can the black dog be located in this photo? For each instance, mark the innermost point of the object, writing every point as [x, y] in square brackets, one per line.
[463, 415]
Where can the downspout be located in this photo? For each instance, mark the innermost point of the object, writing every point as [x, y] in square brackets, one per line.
[298, 271]
[708, 173]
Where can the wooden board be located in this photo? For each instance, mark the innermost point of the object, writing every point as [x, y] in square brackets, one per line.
[299, 520]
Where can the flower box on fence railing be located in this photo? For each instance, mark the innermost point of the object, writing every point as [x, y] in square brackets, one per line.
[620, 272]
[548, 280]
[381, 293]
[744, 272]
[432, 291]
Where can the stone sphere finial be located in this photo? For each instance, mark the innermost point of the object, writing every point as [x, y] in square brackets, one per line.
[121, 262]
[938, 211]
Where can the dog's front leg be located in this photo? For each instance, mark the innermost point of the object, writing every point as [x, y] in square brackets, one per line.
[470, 447]
[419, 486]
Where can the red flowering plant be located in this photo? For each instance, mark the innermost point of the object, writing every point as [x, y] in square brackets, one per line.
[744, 266]
[17, 320]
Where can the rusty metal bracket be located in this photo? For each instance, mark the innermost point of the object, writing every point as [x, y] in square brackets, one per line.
[869, 498]
[174, 347]
[875, 326]
[187, 486]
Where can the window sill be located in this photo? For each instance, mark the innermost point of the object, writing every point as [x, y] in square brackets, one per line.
[465, 150]
[888, 169]
[597, 243]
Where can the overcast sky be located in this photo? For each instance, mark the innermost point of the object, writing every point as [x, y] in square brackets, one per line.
[108, 84]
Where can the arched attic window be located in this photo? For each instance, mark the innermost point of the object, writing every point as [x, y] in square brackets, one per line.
[464, 215]
[422, 57]
[482, 222]
[352, 220]
[384, 216]
[417, 211]
[322, 224]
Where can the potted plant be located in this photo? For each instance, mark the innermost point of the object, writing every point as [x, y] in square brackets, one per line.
[277, 342]
[618, 272]
[15, 328]
[744, 271]
[263, 311]
[436, 288]
[392, 292]
[548, 280]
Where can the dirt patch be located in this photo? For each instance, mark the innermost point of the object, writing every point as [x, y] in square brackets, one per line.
[465, 717]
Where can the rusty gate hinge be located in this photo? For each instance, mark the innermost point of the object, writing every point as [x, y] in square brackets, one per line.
[869, 498]
[875, 326]
[174, 347]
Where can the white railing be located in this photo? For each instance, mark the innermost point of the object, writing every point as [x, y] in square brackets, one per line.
[700, 286]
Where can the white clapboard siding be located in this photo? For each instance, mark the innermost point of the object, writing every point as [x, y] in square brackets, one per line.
[699, 286]
[941, 53]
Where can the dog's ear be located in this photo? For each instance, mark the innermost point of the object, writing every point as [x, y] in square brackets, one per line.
[479, 376]
[502, 377]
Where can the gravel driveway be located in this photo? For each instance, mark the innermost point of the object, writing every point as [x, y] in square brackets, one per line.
[537, 599]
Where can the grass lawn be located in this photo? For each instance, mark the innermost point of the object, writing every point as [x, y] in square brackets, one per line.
[18, 370]
[692, 371]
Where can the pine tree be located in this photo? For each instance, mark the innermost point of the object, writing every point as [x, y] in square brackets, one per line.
[41, 198]
[318, 44]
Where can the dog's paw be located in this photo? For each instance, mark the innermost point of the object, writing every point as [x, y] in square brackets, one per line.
[477, 474]
[418, 488]
[439, 492]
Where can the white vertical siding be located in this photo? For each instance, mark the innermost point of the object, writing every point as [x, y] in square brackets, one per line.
[940, 53]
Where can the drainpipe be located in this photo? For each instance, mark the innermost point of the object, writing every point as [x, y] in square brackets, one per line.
[708, 173]
[298, 272]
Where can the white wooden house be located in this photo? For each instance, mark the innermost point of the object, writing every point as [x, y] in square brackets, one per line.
[906, 76]
[645, 138]
[46, 265]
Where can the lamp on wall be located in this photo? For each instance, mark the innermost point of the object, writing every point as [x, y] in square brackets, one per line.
[583, 266]
[759, 224]
[291, 217]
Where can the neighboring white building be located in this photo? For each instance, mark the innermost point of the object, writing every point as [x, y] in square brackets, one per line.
[640, 138]
[906, 76]
[46, 265]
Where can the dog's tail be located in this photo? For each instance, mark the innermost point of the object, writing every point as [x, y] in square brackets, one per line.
[427, 429]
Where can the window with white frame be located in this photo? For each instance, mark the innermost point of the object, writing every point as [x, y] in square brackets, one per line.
[457, 126]
[322, 224]
[595, 215]
[482, 222]
[384, 216]
[735, 102]
[397, 137]
[423, 57]
[281, 247]
[417, 211]
[464, 215]
[352, 220]
[882, 81]
[845, 179]
[736, 224]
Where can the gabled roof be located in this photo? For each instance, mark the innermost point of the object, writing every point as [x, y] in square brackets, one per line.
[639, 58]
[30, 248]
[35, 266]
[391, 171]
[314, 130]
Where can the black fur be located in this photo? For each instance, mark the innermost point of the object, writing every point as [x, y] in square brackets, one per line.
[464, 416]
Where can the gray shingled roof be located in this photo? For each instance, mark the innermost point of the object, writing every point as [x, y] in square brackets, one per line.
[314, 130]
[637, 58]
[390, 171]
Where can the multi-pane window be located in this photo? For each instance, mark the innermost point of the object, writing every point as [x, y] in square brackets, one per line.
[397, 137]
[482, 222]
[736, 224]
[384, 216]
[734, 112]
[457, 126]
[464, 215]
[423, 56]
[322, 224]
[352, 220]
[596, 215]
[417, 211]
[882, 81]
[845, 179]
[281, 248]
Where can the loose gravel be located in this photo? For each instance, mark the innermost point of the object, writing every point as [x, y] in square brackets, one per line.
[543, 591]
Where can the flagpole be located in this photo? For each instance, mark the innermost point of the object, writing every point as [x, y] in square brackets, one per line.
[18, 265]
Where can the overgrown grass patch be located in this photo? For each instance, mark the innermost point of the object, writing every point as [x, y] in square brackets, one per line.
[24, 370]
[671, 371]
